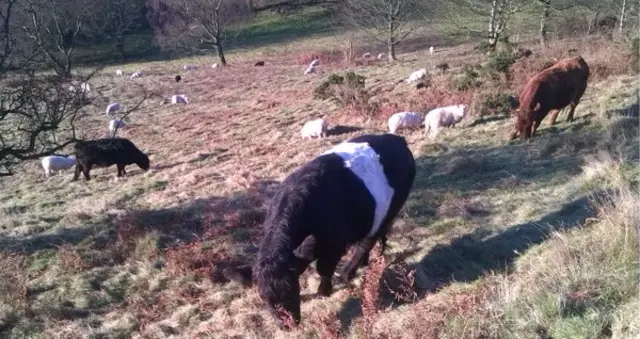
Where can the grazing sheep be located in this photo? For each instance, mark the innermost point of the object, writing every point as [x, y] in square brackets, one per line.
[551, 90]
[58, 163]
[447, 116]
[314, 129]
[190, 67]
[179, 99]
[119, 73]
[112, 108]
[107, 152]
[115, 124]
[85, 87]
[347, 196]
[310, 70]
[178, 78]
[431, 50]
[136, 75]
[417, 75]
[366, 55]
[404, 120]
[380, 56]
[259, 63]
[314, 63]
[215, 65]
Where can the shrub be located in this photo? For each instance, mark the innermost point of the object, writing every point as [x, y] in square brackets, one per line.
[348, 90]
[467, 79]
[484, 47]
[496, 104]
[443, 67]
[500, 63]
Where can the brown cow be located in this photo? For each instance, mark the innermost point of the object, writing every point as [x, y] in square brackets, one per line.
[551, 90]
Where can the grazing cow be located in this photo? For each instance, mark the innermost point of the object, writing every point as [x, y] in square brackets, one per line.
[347, 196]
[551, 90]
[106, 152]
[259, 63]
[178, 78]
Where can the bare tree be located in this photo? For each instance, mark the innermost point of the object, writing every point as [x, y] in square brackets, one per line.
[386, 21]
[114, 20]
[497, 14]
[201, 22]
[54, 26]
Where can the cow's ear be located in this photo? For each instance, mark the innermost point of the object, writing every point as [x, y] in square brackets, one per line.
[306, 250]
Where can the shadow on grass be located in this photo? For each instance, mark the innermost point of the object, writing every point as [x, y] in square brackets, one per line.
[547, 160]
[341, 129]
[469, 257]
[236, 216]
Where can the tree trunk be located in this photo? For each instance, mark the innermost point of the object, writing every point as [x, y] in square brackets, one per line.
[623, 13]
[391, 43]
[392, 51]
[493, 34]
[120, 47]
[220, 51]
[546, 9]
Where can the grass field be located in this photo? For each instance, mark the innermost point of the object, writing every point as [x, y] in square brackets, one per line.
[499, 239]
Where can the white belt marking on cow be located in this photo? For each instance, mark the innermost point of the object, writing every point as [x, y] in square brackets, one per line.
[364, 162]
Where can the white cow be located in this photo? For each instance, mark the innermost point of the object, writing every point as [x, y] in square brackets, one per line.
[447, 116]
[112, 108]
[57, 163]
[190, 67]
[314, 129]
[417, 75]
[404, 120]
[179, 99]
[116, 124]
[119, 73]
[136, 75]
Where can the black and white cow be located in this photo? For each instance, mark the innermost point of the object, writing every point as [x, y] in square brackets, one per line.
[347, 196]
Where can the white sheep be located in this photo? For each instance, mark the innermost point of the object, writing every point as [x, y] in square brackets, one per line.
[215, 65]
[431, 50]
[380, 56]
[417, 75]
[366, 55]
[404, 120]
[136, 75]
[447, 116]
[314, 63]
[310, 70]
[112, 108]
[85, 87]
[179, 99]
[119, 72]
[190, 67]
[57, 163]
[116, 124]
[314, 128]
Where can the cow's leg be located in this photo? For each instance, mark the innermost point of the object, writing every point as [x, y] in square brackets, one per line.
[85, 171]
[535, 126]
[326, 266]
[553, 116]
[76, 175]
[572, 108]
[120, 169]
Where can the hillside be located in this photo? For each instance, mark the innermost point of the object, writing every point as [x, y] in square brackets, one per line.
[499, 239]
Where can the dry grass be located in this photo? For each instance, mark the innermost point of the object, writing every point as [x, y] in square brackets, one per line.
[144, 257]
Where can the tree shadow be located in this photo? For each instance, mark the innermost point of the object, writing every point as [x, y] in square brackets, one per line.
[238, 214]
[342, 129]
